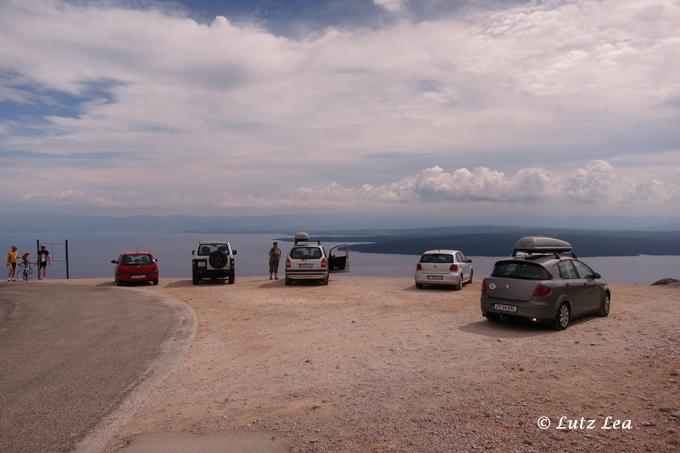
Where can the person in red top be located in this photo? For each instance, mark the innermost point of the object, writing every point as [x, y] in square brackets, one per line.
[26, 262]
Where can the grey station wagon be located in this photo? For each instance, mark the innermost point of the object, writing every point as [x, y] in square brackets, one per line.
[540, 283]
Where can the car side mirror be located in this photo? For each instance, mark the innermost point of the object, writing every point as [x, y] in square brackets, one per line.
[595, 275]
[234, 252]
[193, 252]
[469, 260]
[114, 261]
[155, 260]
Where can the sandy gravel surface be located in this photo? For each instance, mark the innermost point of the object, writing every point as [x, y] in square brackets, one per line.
[372, 364]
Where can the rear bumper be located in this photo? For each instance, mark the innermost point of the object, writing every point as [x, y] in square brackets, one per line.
[532, 309]
[431, 278]
[306, 275]
[211, 273]
[131, 277]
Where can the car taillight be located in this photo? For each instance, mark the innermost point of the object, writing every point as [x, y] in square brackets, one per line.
[288, 263]
[324, 263]
[419, 267]
[542, 291]
[453, 268]
[484, 286]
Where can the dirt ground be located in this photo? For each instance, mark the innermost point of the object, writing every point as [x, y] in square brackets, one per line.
[372, 364]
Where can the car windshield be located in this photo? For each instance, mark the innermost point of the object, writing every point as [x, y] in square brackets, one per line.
[207, 249]
[516, 269]
[132, 260]
[305, 253]
[436, 258]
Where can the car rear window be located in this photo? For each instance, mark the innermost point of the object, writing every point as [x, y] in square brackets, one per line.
[436, 258]
[305, 253]
[517, 269]
[133, 260]
[208, 249]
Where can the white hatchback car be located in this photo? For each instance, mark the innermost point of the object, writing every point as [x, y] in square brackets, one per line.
[308, 260]
[444, 267]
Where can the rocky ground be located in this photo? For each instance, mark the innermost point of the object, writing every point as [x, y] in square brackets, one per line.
[372, 364]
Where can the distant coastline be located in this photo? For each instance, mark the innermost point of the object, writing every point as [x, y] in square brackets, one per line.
[586, 243]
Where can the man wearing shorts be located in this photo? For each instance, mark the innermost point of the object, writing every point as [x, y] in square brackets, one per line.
[12, 263]
[43, 260]
[274, 257]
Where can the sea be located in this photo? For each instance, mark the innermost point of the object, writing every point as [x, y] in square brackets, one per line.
[90, 256]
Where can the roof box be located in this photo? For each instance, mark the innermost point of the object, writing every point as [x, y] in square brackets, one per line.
[301, 237]
[541, 244]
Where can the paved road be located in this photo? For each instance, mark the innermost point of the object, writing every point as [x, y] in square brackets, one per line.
[68, 356]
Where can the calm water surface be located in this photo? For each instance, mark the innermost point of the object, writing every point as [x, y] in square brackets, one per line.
[90, 255]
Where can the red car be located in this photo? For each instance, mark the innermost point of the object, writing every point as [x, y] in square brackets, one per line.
[135, 267]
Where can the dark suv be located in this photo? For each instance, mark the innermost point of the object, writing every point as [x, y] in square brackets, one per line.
[540, 282]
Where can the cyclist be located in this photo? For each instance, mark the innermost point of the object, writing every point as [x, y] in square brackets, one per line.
[12, 263]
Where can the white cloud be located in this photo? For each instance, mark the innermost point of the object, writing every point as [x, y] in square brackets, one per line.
[200, 103]
[597, 182]
[390, 5]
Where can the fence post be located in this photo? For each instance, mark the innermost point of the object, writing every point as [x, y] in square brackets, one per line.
[66, 254]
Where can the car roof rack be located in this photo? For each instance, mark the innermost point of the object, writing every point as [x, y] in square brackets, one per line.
[542, 245]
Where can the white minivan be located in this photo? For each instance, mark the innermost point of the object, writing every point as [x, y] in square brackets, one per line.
[444, 267]
[308, 260]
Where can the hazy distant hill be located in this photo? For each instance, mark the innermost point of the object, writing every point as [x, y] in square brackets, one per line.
[585, 243]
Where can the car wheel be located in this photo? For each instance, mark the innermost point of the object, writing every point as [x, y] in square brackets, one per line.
[604, 305]
[232, 277]
[195, 279]
[155, 282]
[288, 282]
[563, 317]
[419, 285]
[458, 286]
[324, 281]
[117, 282]
[472, 273]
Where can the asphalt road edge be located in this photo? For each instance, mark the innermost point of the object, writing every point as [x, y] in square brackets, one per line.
[173, 350]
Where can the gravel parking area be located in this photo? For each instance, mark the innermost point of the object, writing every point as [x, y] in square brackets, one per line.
[372, 364]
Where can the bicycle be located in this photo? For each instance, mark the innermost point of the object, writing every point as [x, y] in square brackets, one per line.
[24, 271]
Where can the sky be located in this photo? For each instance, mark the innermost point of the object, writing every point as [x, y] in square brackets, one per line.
[218, 107]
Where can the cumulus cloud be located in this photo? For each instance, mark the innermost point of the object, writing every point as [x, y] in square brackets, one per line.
[596, 182]
[220, 107]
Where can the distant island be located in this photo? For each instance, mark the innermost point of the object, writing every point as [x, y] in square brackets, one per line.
[586, 243]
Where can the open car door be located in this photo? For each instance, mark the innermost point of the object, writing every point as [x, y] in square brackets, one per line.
[339, 262]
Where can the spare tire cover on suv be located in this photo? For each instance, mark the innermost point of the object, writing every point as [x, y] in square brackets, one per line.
[218, 260]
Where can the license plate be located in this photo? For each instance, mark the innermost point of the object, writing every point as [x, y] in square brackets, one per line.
[139, 276]
[306, 266]
[503, 307]
[435, 277]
